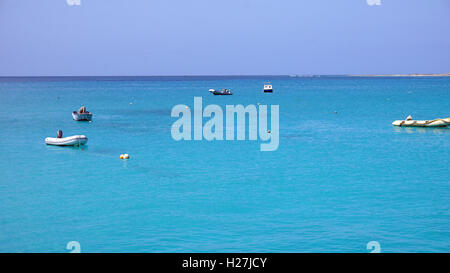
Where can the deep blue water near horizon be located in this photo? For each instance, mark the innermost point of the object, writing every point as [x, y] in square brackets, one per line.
[336, 182]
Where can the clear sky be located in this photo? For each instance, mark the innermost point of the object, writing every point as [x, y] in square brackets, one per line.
[223, 37]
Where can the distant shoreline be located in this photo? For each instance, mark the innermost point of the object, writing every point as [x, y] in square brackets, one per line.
[401, 75]
[180, 77]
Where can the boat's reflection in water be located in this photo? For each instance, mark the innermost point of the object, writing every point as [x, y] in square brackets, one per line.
[422, 130]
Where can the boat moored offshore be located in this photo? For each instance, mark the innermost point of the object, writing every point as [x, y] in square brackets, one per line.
[220, 92]
[409, 122]
[76, 140]
[82, 115]
[268, 87]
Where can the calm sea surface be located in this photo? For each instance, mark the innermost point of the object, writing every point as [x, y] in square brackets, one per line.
[336, 182]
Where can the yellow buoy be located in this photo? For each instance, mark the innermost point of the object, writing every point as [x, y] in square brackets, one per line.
[121, 156]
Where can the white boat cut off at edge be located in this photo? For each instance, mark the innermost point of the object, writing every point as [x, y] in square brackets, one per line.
[423, 123]
[67, 141]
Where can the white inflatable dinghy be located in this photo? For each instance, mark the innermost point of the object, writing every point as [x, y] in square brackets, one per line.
[440, 122]
[67, 141]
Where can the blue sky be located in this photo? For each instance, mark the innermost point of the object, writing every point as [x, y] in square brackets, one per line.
[212, 37]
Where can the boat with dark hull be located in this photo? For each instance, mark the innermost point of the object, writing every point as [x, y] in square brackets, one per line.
[268, 88]
[220, 92]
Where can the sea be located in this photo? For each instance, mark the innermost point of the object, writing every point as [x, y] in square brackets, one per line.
[343, 179]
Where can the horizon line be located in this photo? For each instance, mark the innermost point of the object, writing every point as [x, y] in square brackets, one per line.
[231, 75]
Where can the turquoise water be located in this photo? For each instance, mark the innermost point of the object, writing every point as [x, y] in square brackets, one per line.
[336, 182]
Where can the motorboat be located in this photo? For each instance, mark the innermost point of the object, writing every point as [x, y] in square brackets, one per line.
[82, 115]
[409, 122]
[268, 87]
[220, 92]
[76, 140]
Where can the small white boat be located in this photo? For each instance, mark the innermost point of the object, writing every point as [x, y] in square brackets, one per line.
[268, 87]
[82, 115]
[67, 141]
[409, 122]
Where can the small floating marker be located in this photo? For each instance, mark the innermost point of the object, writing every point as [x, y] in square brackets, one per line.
[121, 156]
[268, 131]
[126, 156]
[335, 112]
[187, 107]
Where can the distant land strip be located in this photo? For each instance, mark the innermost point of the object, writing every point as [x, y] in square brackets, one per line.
[401, 75]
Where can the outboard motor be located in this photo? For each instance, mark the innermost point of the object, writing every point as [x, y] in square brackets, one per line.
[59, 134]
